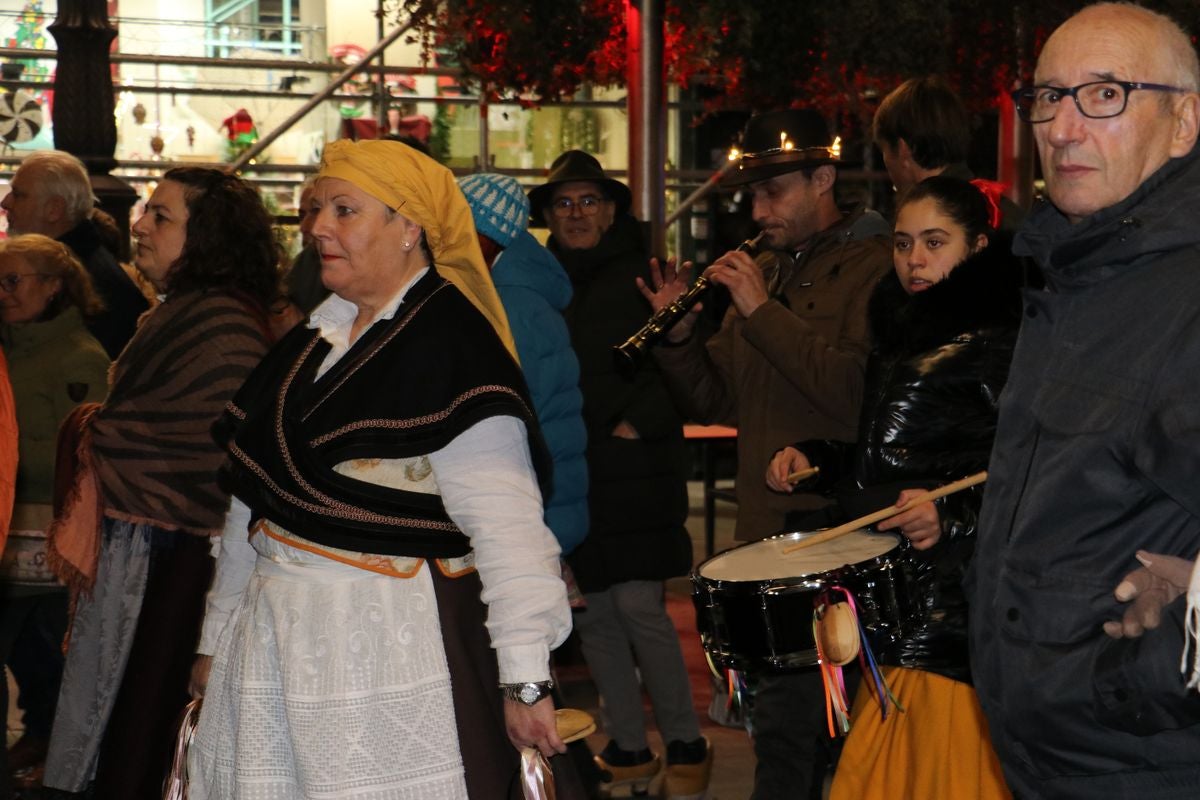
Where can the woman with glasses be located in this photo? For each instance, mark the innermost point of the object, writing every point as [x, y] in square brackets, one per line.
[637, 491]
[54, 364]
[133, 541]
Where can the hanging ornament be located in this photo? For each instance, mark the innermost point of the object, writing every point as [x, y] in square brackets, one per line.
[20, 116]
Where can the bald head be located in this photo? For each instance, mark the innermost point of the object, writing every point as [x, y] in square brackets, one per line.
[1170, 47]
[1091, 164]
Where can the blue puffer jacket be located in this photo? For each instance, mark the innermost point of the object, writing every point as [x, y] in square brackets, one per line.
[534, 290]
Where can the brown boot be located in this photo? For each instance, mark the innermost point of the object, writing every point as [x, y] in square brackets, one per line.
[633, 768]
[689, 767]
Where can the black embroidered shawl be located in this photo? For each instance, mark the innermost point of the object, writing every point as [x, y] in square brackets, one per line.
[406, 388]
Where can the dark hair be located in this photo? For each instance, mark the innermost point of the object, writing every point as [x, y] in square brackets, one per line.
[230, 242]
[960, 200]
[928, 115]
[108, 232]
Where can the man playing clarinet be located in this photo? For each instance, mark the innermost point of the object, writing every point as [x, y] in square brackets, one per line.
[786, 365]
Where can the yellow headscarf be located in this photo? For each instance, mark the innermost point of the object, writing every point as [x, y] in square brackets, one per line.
[422, 190]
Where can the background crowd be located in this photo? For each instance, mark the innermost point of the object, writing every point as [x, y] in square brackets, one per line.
[355, 502]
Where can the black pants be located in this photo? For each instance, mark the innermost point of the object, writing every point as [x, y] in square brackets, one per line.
[791, 736]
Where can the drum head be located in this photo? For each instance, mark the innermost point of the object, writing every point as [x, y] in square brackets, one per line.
[765, 560]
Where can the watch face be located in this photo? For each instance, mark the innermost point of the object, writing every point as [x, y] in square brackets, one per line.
[529, 694]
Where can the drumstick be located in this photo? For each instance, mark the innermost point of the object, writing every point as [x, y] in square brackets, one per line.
[802, 474]
[890, 511]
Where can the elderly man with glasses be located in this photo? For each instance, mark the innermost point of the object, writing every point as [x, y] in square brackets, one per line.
[637, 493]
[1096, 462]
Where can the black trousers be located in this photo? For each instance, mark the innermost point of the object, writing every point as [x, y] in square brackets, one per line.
[791, 736]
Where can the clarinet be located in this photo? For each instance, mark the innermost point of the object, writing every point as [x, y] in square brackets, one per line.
[629, 355]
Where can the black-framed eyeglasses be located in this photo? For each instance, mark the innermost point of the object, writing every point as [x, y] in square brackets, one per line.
[12, 280]
[1094, 99]
[588, 206]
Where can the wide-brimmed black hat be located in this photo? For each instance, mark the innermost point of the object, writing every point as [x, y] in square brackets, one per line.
[576, 165]
[783, 141]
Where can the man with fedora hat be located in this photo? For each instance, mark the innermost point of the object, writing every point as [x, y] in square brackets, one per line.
[786, 365]
[637, 469]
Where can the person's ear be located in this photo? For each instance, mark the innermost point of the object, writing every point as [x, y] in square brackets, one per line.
[823, 178]
[1187, 124]
[54, 209]
[981, 241]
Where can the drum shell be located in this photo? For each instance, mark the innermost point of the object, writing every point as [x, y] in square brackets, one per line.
[766, 624]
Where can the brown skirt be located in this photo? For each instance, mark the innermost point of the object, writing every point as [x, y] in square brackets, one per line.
[136, 749]
[490, 762]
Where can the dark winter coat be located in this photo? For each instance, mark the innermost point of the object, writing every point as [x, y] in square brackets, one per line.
[534, 290]
[123, 301]
[637, 488]
[1097, 454]
[794, 368]
[930, 400]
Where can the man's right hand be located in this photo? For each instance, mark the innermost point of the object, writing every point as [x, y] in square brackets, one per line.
[784, 463]
[669, 283]
[1148, 590]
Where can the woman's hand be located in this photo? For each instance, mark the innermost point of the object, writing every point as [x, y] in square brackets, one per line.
[669, 283]
[784, 463]
[533, 726]
[199, 681]
[920, 525]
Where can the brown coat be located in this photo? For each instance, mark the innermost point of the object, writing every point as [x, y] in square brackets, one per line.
[794, 369]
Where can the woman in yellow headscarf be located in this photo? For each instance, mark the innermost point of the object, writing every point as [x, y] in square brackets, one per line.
[386, 464]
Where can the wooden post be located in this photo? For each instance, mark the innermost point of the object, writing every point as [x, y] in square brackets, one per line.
[83, 103]
[647, 117]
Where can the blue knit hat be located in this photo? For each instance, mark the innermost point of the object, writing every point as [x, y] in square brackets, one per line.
[498, 204]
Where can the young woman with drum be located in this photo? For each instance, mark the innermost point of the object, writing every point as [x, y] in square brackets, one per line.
[944, 327]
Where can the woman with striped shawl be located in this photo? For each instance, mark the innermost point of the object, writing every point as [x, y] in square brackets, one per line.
[133, 540]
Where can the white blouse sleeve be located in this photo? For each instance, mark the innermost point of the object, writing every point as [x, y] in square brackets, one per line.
[235, 562]
[486, 479]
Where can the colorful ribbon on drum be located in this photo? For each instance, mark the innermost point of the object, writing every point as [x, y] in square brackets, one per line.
[837, 706]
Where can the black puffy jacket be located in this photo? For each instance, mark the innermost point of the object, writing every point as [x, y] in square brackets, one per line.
[929, 413]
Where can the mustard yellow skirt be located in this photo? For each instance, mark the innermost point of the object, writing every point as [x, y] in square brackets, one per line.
[937, 749]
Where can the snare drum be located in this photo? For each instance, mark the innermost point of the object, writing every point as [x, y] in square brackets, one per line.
[754, 603]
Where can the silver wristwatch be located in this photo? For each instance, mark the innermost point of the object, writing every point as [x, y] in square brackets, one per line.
[526, 693]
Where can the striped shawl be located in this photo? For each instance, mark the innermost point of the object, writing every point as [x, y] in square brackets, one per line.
[152, 446]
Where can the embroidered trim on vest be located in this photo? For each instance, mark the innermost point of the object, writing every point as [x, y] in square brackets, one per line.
[336, 510]
[400, 424]
[332, 508]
